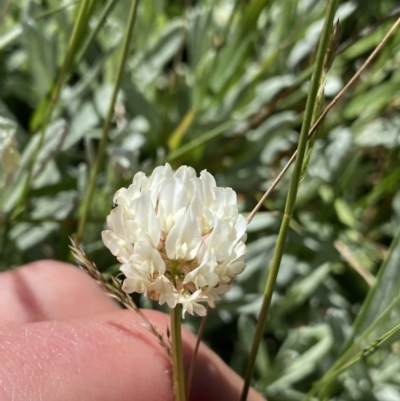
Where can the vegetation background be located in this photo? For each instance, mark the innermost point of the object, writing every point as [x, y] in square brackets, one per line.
[221, 85]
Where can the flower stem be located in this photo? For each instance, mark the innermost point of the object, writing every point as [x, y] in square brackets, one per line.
[177, 354]
[291, 197]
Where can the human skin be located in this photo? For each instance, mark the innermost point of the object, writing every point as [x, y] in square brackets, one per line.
[61, 339]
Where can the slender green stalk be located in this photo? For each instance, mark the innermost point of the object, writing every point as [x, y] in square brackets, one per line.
[319, 102]
[56, 10]
[195, 351]
[350, 344]
[93, 33]
[361, 315]
[181, 129]
[177, 354]
[365, 353]
[77, 31]
[107, 123]
[352, 350]
[291, 197]
[187, 147]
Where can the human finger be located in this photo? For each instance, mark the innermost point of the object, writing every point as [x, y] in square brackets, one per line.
[50, 290]
[109, 357]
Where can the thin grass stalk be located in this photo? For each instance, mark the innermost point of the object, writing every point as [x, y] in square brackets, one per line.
[187, 147]
[56, 10]
[55, 94]
[177, 353]
[105, 12]
[347, 356]
[181, 129]
[350, 345]
[195, 351]
[291, 197]
[107, 124]
[368, 30]
[360, 316]
[318, 108]
[315, 127]
[363, 354]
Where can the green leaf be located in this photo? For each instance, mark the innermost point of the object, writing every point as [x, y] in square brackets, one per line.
[299, 356]
[41, 56]
[9, 154]
[383, 292]
[9, 37]
[300, 291]
[149, 63]
[345, 213]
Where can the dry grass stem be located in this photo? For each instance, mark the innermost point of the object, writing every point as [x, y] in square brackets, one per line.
[323, 115]
[114, 290]
[354, 263]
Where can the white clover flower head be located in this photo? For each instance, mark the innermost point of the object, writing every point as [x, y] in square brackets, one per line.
[179, 237]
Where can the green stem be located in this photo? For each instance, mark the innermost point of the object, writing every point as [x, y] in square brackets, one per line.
[200, 140]
[105, 13]
[363, 354]
[181, 129]
[107, 124]
[177, 354]
[195, 351]
[56, 10]
[361, 315]
[350, 343]
[291, 197]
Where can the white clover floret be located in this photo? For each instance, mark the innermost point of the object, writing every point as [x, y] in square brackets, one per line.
[179, 237]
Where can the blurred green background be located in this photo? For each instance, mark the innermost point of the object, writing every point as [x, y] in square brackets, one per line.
[222, 85]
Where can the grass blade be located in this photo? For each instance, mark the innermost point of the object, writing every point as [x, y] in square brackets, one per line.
[291, 197]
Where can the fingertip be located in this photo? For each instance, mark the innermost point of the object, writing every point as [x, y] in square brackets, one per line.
[49, 290]
[108, 357]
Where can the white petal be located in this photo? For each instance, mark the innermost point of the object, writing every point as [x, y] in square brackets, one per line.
[134, 232]
[158, 176]
[213, 294]
[190, 304]
[147, 219]
[136, 281]
[185, 173]
[209, 186]
[204, 275]
[184, 239]
[173, 196]
[116, 222]
[139, 185]
[146, 256]
[217, 243]
[165, 291]
[116, 245]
